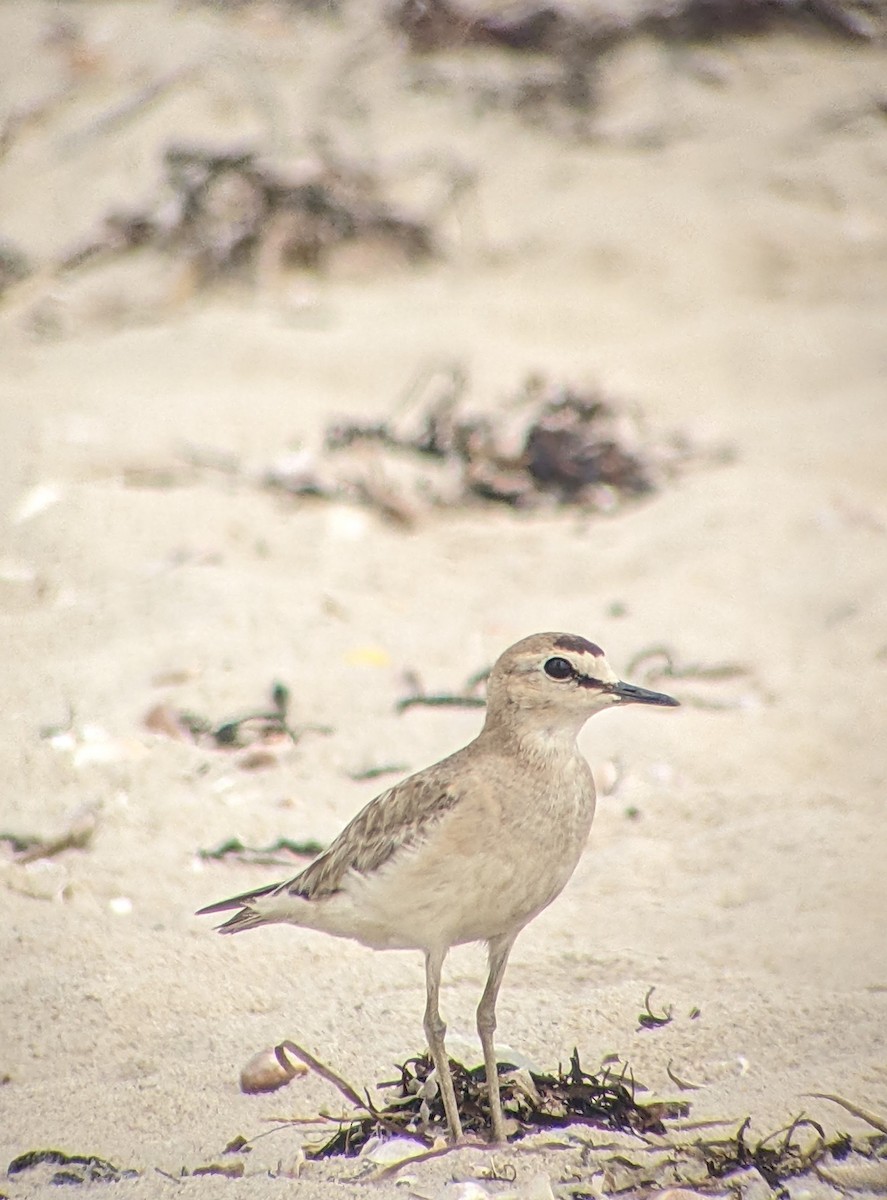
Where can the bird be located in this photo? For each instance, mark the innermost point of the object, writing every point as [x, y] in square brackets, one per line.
[470, 849]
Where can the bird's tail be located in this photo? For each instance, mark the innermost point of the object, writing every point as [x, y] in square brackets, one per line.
[247, 917]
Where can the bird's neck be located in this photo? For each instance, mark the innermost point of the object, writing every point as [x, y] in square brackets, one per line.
[533, 738]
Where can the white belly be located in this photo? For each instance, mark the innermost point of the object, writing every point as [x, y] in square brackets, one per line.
[480, 873]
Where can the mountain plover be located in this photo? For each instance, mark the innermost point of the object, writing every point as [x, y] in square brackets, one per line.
[471, 849]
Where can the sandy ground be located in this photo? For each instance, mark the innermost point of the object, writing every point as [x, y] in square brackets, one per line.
[715, 251]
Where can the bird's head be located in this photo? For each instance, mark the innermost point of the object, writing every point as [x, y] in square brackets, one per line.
[559, 680]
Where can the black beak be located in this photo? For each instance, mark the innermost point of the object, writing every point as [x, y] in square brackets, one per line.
[629, 694]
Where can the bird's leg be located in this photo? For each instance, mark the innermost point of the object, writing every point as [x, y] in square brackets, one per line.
[435, 1030]
[500, 948]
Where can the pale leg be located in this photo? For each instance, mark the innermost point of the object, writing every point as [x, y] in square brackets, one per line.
[435, 1031]
[500, 948]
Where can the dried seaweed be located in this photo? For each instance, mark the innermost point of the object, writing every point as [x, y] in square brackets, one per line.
[253, 728]
[549, 445]
[559, 30]
[776, 1157]
[77, 835]
[227, 1170]
[544, 60]
[264, 855]
[78, 1168]
[876, 1120]
[377, 772]
[799, 1151]
[685, 1085]
[725, 685]
[531, 1101]
[650, 1020]
[230, 214]
[467, 697]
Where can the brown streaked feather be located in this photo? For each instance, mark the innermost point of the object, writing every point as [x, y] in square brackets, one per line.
[244, 918]
[394, 820]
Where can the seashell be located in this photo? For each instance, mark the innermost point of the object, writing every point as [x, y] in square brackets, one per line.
[264, 1073]
[386, 1152]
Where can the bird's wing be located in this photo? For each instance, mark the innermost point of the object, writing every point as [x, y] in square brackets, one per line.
[392, 821]
[395, 820]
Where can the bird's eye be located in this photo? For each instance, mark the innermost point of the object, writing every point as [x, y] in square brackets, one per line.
[558, 668]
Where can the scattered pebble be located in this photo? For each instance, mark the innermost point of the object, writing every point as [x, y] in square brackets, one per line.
[465, 1189]
[385, 1152]
[35, 501]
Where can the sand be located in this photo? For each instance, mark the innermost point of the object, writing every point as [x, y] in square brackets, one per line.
[714, 252]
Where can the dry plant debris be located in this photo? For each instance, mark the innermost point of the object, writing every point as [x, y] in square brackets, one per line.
[265, 855]
[537, 27]
[549, 445]
[650, 1145]
[531, 1101]
[641, 1154]
[543, 59]
[363, 774]
[801, 1151]
[230, 214]
[651, 1020]
[466, 697]
[258, 732]
[712, 686]
[77, 835]
[75, 1168]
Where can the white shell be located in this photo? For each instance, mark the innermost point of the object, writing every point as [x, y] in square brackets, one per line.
[263, 1073]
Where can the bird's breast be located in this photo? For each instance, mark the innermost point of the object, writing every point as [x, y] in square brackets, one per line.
[489, 866]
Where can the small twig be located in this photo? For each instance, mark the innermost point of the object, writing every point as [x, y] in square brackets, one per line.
[442, 700]
[650, 1020]
[464, 699]
[77, 836]
[742, 1155]
[789, 1131]
[713, 1122]
[269, 721]
[684, 1084]
[375, 772]
[118, 114]
[865, 1114]
[425, 1155]
[322, 1118]
[260, 854]
[671, 670]
[325, 1072]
